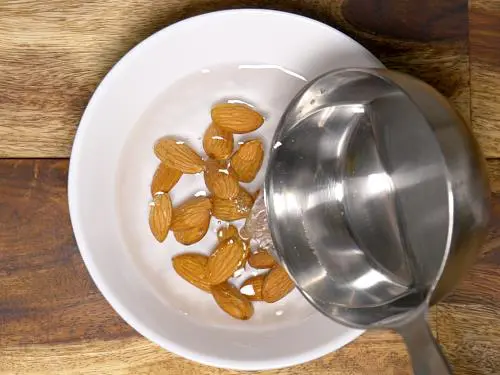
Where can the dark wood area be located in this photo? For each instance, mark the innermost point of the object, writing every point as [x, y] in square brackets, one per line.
[53, 320]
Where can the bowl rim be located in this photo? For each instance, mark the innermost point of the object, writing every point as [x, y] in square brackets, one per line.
[86, 253]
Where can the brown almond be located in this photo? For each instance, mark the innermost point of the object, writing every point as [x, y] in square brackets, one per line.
[225, 260]
[232, 209]
[193, 213]
[193, 235]
[160, 216]
[218, 143]
[232, 301]
[164, 179]
[220, 181]
[261, 259]
[247, 161]
[236, 118]
[193, 269]
[277, 285]
[252, 288]
[178, 155]
[224, 233]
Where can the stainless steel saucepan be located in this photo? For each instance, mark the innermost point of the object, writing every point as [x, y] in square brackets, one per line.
[377, 201]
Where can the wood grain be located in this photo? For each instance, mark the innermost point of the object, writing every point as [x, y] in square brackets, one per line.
[469, 320]
[54, 53]
[485, 73]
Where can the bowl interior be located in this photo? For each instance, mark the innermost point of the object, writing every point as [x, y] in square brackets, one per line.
[166, 86]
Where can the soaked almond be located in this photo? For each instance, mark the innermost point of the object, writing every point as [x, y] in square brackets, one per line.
[193, 269]
[220, 181]
[261, 259]
[218, 143]
[232, 209]
[225, 260]
[193, 235]
[236, 118]
[160, 216]
[277, 285]
[252, 288]
[232, 301]
[193, 213]
[178, 155]
[164, 179]
[247, 161]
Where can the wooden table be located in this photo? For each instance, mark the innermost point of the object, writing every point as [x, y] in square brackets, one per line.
[53, 53]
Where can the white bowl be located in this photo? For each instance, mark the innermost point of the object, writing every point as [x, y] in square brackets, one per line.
[166, 86]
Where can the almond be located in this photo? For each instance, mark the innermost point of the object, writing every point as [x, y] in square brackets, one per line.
[252, 288]
[178, 155]
[193, 213]
[224, 233]
[232, 301]
[225, 260]
[261, 259]
[277, 285]
[220, 181]
[247, 161]
[236, 118]
[231, 231]
[218, 143]
[160, 216]
[193, 235]
[232, 209]
[164, 179]
[193, 269]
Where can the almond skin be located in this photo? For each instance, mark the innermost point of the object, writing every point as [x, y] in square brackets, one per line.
[160, 216]
[232, 301]
[220, 181]
[261, 259]
[252, 288]
[232, 209]
[236, 118]
[193, 269]
[178, 155]
[193, 235]
[218, 143]
[224, 233]
[277, 285]
[193, 213]
[247, 161]
[164, 179]
[225, 260]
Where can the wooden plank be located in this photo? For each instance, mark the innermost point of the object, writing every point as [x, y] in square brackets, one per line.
[470, 336]
[137, 356]
[469, 320]
[46, 295]
[54, 53]
[485, 73]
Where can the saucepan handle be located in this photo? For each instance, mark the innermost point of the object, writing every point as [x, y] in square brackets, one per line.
[425, 353]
